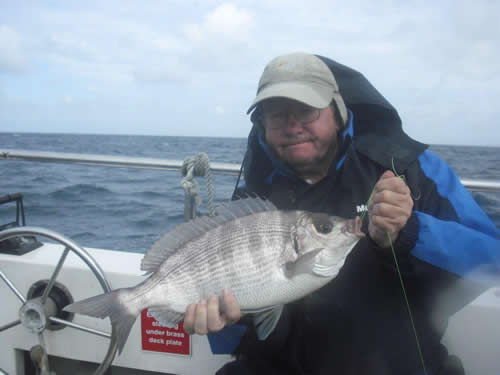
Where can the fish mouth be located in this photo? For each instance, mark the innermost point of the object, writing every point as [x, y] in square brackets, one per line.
[353, 227]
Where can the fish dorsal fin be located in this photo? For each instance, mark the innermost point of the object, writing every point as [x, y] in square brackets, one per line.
[243, 207]
[170, 242]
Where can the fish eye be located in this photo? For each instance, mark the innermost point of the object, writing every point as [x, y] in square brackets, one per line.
[321, 223]
[324, 228]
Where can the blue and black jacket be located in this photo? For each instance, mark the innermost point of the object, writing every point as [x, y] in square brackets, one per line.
[448, 252]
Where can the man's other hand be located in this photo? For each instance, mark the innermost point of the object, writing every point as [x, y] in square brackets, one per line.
[389, 208]
[207, 316]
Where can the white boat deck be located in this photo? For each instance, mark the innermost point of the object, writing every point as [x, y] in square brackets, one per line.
[473, 333]
[121, 270]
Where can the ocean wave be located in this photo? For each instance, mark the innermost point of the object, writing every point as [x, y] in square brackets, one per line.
[45, 180]
[83, 236]
[76, 191]
[150, 194]
[128, 209]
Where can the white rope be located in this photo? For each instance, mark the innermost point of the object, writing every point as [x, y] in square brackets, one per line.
[192, 167]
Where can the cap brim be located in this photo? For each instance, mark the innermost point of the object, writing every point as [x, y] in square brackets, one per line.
[317, 96]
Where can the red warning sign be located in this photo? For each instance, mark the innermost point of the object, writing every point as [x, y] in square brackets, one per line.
[158, 338]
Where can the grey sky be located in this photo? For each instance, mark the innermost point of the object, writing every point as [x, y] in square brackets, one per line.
[185, 67]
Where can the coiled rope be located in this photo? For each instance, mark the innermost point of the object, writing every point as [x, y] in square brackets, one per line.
[196, 166]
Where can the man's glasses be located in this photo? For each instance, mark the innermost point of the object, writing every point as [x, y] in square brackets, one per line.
[277, 118]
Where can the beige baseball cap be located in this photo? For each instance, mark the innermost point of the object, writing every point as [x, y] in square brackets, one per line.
[302, 77]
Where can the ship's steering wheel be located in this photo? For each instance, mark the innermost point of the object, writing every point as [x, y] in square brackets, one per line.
[41, 311]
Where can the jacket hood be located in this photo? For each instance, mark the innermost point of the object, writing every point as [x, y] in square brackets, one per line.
[377, 132]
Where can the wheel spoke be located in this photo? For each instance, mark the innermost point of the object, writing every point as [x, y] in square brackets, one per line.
[12, 287]
[80, 327]
[41, 340]
[10, 325]
[52, 280]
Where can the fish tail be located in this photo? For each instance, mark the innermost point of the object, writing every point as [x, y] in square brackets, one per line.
[110, 305]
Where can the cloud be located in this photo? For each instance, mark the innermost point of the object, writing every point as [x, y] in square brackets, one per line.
[229, 21]
[221, 42]
[107, 48]
[162, 72]
[226, 21]
[12, 57]
[437, 62]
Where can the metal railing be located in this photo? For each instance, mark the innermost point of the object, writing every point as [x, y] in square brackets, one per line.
[109, 161]
[166, 164]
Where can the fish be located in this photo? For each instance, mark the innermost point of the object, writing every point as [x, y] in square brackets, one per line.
[265, 256]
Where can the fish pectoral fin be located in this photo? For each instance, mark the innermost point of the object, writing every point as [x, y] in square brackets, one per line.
[302, 265]
[287, 256]
[165, 317]
[266, 321]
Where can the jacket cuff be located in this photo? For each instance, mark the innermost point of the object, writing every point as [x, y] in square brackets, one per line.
[407, 236]
[406, 239]
[402, 246]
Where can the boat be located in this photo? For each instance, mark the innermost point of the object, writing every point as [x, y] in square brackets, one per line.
[43, 271]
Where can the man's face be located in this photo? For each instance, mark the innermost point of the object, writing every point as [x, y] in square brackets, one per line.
[301, 136]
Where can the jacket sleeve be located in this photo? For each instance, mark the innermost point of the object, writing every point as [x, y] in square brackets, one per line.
[447, 228]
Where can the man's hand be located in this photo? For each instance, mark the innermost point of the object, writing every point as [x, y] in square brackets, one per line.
[389, 208]
[206, 316]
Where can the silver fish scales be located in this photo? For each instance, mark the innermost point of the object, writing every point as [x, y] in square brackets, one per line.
[266, 258]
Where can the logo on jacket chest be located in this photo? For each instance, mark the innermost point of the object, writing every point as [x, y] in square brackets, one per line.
[361, 208]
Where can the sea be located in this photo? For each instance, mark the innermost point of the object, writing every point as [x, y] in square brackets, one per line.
[129, 209]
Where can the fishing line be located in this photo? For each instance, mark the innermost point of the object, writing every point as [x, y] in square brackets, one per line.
[403, 288]
[407, 304]
[419, 348]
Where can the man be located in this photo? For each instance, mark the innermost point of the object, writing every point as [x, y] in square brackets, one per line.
[325, 140]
